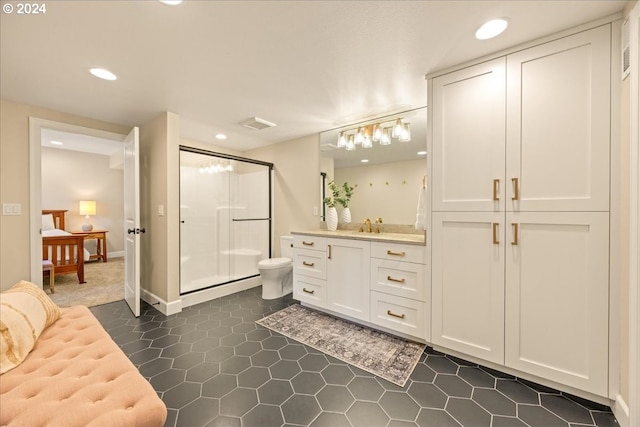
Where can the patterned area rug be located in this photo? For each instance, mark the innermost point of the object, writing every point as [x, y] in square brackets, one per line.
[379, 353]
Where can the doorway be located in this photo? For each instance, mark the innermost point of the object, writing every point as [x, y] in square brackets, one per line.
[71, 175]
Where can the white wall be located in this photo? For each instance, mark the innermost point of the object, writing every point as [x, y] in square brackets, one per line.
[70, 176]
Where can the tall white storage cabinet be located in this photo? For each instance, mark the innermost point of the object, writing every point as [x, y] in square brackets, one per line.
[520, 210]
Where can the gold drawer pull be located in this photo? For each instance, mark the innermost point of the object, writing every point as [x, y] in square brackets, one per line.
[395, 253]
[308, 291]
[515, 234]
[495, 233]
[399, 316]
[516, 191]
[308, 264]
[304, 242]
[496, 186]
[391, 279]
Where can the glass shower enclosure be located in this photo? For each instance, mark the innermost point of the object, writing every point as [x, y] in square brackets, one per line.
[225, 218]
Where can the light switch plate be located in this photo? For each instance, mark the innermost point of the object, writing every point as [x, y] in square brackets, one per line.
[11, 209]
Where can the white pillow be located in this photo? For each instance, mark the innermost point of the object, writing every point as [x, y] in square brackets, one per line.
[47, 222]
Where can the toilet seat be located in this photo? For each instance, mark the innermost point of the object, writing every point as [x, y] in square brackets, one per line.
[272, 263]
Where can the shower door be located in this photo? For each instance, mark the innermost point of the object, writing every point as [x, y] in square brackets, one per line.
[225, 220]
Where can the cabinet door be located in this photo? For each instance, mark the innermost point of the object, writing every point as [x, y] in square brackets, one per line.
[468, 283]
[558, 124]
[469, 139]
[557, 289]
[348, 277]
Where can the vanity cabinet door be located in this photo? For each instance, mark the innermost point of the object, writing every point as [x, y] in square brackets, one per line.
[348, 277]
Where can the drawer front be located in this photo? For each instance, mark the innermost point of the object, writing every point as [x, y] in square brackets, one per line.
[403, 279]
[398, 252]
[310, 290]
[310, 242]
[399, 314]
[310, 263]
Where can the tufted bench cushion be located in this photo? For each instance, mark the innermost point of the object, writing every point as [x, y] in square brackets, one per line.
[77, 375]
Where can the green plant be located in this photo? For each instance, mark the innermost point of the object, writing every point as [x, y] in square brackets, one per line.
[339, 195]
[331, 200]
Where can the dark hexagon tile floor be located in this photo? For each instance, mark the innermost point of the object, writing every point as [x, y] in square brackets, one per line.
[213, 367]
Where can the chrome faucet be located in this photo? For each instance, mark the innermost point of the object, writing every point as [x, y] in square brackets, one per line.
[367, 223]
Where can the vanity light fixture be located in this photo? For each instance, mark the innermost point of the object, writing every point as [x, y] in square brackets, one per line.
[492, 28]
[103, 74]
[381, 132]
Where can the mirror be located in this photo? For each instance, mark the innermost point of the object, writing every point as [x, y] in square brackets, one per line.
[388, 184]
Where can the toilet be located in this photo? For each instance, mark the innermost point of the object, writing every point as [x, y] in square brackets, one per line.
[276, 273]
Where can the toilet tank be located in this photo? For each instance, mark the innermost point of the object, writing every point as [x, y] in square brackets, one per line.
[285, 246]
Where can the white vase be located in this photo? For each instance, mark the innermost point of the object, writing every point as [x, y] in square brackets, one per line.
[332, 219]
[345, 216]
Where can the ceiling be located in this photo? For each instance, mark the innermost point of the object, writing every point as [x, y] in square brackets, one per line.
[308, 66]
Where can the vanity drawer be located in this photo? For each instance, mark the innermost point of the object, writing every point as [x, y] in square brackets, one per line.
[310, 242]
[310, 290]
[310, 263]
[403, 279]
[399, 314]
[398, 252]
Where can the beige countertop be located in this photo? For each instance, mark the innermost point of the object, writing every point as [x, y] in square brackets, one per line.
[411, 239]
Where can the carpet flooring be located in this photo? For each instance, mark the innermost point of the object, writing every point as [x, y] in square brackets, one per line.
[105, 284]
[379, 353]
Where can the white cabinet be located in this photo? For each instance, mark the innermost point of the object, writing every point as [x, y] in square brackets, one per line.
[399, 288]
[557, 297]
[469, 139]
[558, 124]
[520, 201]
[348, 277]
[554, 155]
[310, 270]
[468, 283]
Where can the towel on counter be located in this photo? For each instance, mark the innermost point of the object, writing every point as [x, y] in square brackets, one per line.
[420, 214]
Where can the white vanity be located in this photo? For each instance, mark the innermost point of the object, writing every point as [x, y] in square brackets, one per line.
[380, 280]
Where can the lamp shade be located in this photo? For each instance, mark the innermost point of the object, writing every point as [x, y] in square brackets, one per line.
[87, 207]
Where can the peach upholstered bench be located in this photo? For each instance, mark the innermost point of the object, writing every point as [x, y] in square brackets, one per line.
[76, 375]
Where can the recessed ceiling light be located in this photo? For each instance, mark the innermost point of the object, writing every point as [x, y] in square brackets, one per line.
[103, 74]
[171, 2]
[56, 143]
[421, 153]
[364, 161]
[221, 136]
[491, 29]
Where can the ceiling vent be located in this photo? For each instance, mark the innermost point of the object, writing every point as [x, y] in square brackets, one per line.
[257, 123]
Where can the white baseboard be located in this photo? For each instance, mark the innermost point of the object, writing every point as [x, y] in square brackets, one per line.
[621, 411]
[164, 307]
[115, 254]
[219, 291]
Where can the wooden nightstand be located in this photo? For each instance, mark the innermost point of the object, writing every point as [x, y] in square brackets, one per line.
[101, 245]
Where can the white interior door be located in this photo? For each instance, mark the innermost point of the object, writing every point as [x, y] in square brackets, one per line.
[132, 222]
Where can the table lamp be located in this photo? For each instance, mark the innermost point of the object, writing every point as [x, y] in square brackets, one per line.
[87, 208]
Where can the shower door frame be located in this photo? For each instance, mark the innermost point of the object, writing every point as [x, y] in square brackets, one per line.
[269, 219]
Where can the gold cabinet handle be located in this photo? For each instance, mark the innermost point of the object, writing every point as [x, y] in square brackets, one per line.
[399, 316]
[308, 291]
[516, 191]
[515, 234]
[304, 242]
[391, 279]
[496, 187]
[329, 249]
[395, 253]
[308, 264]
[495, 233]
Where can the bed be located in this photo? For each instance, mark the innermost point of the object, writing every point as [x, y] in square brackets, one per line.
[65, 250]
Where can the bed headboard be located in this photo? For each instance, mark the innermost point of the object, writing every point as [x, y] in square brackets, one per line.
[58, 216]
